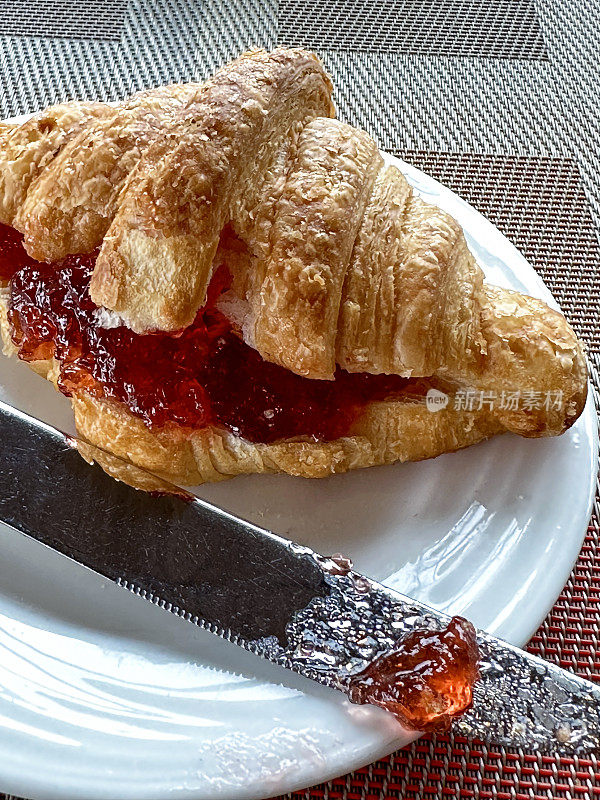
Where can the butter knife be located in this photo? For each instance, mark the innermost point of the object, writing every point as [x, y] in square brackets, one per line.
[277, 599]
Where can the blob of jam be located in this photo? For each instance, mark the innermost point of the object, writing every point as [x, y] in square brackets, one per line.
[427, 680]
[203, 375]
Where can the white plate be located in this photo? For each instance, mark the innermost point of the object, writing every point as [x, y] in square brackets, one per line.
[104, 696]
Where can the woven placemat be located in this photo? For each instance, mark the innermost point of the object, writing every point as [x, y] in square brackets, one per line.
[494, 29]
[497, 99]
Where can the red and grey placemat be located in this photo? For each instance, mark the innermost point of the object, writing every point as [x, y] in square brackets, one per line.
[495, 98]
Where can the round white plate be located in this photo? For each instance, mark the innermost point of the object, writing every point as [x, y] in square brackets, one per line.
[103, 695]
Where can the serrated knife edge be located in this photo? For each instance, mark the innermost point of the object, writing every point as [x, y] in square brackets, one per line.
[263, 592]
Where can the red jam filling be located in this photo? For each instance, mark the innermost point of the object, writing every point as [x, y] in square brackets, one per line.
[427, 680]
[201, 376]
[12, 253]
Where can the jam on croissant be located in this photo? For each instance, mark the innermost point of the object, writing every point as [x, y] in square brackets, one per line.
[204, 375]
[233, 281]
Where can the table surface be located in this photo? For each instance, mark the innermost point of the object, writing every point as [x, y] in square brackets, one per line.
[498, 99]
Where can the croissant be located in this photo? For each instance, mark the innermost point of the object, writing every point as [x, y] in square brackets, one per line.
[340, 280]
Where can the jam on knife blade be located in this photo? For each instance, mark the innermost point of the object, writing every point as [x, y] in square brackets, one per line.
[426, 680]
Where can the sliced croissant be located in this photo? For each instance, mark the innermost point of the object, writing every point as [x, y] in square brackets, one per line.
[336, 262]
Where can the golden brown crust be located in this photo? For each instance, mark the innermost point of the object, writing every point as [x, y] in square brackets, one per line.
[71, 204]
[386, 432]
[157, 257]
[374, 311]
[335, 260]
[413, 293]
[318, 217]
[27, 149]
[531, 350]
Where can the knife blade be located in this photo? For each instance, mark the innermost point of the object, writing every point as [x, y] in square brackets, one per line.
[275, 598]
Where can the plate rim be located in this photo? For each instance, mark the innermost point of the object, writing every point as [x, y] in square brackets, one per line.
[342, 763]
